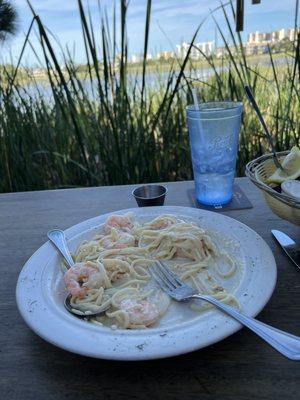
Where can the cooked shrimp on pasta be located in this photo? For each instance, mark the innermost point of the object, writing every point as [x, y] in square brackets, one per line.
[111, 270]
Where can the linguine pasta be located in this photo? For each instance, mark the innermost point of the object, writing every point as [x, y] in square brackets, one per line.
[112, 269]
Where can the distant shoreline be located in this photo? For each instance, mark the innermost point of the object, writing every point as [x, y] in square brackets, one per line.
[25, 77]
[165, 65]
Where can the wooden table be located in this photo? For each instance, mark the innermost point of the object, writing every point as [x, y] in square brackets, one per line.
[239, 367]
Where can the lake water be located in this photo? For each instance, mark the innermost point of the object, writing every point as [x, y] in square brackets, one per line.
[154, 80]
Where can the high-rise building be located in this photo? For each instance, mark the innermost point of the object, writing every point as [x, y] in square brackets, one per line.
[251, 37]
[292, 33]
[266, 37]
[182, 49]
[274, 36]
[207, 48]
[282, 34]
[255, 38]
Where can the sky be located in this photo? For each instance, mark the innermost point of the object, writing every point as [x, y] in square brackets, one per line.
[172, 21]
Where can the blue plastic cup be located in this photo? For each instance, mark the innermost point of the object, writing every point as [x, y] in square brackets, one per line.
[214, 135]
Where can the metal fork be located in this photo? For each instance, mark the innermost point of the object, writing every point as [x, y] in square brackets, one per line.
[285, 343]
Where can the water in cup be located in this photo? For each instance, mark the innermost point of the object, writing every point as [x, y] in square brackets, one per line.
[214, 131]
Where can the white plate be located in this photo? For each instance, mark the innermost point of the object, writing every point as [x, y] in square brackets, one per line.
[40, 294]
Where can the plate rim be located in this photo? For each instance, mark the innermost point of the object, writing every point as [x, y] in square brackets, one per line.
[141, 355]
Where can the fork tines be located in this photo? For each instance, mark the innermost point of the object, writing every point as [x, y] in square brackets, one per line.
[164, 276]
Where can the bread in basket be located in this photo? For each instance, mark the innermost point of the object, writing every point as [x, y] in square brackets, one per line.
[259, 170]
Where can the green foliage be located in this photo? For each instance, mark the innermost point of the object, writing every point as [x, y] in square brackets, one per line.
[8, 19]
[105, 124]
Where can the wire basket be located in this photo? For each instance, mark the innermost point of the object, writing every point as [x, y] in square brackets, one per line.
[259, 170]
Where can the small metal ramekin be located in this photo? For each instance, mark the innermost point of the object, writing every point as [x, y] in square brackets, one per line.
[150, 195]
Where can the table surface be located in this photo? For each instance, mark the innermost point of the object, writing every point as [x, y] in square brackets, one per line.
[239, 367]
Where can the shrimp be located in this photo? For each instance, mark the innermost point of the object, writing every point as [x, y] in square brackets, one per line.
[120, 222]
[124, 240]
[140, 312]
[81, 277]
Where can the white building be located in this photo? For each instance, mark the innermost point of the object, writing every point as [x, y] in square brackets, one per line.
[282, 34]
[251, 37]
[256, 38]
[292, 33]
[182, 49]
[136, 58]
[205, 47]
[274, 36]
